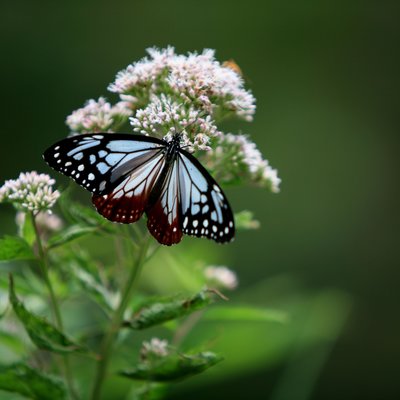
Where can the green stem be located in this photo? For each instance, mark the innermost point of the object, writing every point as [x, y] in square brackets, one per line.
[43, 262]
[109, 338]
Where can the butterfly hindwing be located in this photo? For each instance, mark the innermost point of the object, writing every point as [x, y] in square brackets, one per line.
[204, 208]
[163, 214]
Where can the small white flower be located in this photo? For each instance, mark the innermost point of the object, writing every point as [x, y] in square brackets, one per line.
[155, 347]
[163, 117]
[44, 221]
[221, 276]
[30, 192]
[98, 116]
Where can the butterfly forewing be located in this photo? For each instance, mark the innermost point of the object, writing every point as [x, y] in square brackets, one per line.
[205, 211]
[99, 162]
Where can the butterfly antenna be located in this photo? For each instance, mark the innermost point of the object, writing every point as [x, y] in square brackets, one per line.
[174, 122]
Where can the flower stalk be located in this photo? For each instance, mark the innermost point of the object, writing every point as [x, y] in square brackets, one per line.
[117, 318]
[43, 263]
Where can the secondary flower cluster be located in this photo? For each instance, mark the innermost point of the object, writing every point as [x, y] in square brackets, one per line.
[154, 348]
[236, 158]
[30, 192]
[98, 116]
[222, 277]
[167, 93]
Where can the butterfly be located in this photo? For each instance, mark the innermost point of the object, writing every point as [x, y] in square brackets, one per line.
[131, 175]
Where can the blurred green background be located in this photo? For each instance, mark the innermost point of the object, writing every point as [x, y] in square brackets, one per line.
[325, 75]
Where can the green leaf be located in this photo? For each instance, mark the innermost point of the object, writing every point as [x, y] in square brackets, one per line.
[42, 333]
[95, 288]
[173, 367]
[251, 314]
[15, 248]
[69, 234]
[163, 310]
[245, 220]
[20, 378]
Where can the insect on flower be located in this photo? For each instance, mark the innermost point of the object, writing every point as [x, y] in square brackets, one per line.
[134, 174]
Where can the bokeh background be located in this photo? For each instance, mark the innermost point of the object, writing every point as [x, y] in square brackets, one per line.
[325, 75]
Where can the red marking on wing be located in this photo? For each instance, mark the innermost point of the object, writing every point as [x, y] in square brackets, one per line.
[165, 232]
[123, 209]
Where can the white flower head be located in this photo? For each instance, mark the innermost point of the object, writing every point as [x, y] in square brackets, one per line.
[141, 78]
[200, 78]
[154, 348]
[196, 79]
[99, 116]
[221, 276]
[164, 117]
[237, 157]
[30, 192]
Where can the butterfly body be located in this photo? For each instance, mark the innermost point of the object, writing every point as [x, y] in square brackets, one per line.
[129, 175]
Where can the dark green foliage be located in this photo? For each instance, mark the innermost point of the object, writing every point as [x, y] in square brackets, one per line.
[43, 334]
[29, 382]
[15, 248]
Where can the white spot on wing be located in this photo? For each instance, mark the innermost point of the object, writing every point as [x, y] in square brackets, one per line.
[78, 156]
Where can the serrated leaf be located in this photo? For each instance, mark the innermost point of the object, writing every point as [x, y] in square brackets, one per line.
[245, 220]
[167, 309]
[22, 379]
[69, 234]
[242, 313]
[173, 367]
[15, 248]
[42, 333]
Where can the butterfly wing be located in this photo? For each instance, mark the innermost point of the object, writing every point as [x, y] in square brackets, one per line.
[204, 208]
[163, 214]
[119, 169]
[128, 175]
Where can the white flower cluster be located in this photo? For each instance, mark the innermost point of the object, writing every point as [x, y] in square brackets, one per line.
[164, 117]
[195, 78]
[155, 347]
[30, 192]
[98, 116]
[245, 162]
[222, 277]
